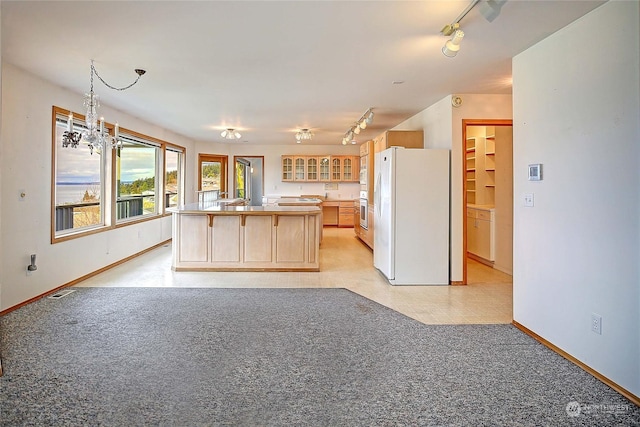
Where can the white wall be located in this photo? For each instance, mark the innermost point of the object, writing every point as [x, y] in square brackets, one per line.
[25, 143]
[577, 251]
[442, 125]
[273, 184]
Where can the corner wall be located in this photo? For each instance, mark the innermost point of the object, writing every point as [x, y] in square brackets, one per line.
[442, 125]
[25, 162]
[577, 251]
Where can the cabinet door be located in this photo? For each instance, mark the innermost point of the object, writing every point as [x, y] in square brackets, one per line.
[312, 168]
[324, 168]
[347, 169]
[336, 168]
[287, 168]
[299, 168]
[194, 238]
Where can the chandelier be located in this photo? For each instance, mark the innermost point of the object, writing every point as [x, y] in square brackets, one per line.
[230, 134]
[94, 134]
[303, 135]
[362, 123]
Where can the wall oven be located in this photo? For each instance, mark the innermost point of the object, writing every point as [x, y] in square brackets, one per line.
[364, 210]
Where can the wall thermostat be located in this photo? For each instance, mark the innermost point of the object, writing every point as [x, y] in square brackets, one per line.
[456, 101]
[535, 172]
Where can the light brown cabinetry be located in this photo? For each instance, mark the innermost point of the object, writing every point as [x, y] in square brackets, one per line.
[320, 168]
[287, 168]
[345, 214]
[399, 138]
[285, 239]
[338, 213]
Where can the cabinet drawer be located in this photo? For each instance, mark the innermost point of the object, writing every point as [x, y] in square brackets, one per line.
[471, 213]
[485, 215]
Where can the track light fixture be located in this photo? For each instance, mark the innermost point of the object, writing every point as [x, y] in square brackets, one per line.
[452, 46]
[361, 124]
[490, 9]
[230, 134]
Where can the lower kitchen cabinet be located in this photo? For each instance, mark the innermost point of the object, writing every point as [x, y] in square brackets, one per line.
[481, 232]
[338, 213]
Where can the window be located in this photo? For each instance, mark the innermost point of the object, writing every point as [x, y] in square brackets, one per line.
[173, 165]
[136, 171]
[78, 180]
[213, 173]
[94, 192]
[243, 179]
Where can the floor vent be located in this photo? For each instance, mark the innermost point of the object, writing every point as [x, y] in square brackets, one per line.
[61, 294]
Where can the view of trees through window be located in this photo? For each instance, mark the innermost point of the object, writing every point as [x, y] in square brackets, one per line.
[211, 175]
[79, 180]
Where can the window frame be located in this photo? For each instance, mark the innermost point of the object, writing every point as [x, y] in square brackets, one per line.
[181, 176]
[224, 166]
[108, 181]
[150, 142]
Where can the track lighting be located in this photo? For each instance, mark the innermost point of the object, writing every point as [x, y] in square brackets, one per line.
[362, 123]
[490, 9]
[452, 46]
[230, 134]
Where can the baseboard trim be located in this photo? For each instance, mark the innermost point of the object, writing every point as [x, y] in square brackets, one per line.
[626, 393]
[457, 283]
[80, 279]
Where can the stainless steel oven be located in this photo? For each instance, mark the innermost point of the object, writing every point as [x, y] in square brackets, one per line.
[364, 210]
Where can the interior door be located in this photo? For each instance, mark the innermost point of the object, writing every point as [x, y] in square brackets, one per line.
[243, 179]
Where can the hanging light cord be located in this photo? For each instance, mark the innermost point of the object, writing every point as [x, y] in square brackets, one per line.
[138, 71]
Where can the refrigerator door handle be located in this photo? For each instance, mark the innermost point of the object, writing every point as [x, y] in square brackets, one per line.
[376, 195]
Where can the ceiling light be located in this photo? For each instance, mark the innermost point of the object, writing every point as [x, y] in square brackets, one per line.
[303, 135]
[230, 134]
[452, 46]
[369, 118]
[361, 124]
[94, 135]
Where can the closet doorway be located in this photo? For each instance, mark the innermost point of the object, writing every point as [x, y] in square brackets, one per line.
[487, 195]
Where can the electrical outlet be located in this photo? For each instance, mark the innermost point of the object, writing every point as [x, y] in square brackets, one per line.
[596, 323]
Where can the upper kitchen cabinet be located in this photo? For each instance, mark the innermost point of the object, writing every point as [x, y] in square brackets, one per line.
[311, 168]
[299, 168]
[325, 168]
[399, 138]
[287, 168]
[320, 168]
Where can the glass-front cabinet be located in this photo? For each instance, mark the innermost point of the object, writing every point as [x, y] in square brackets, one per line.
[320, 168]
[312, 168]
[287, 168]
[325, 168]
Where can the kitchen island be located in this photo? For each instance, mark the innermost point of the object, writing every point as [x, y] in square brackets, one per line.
[220, 237]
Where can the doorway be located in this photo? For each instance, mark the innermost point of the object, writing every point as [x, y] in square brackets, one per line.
[248, 179]
[487, 197]
[212, 173]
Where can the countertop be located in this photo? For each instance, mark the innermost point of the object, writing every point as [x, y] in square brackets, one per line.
[224, 209]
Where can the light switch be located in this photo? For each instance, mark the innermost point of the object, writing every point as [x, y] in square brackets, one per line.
[528, 200]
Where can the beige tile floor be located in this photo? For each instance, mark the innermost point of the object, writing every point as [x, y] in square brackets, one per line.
[345, 263]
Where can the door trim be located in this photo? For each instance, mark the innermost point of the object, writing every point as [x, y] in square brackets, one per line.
[465, 123]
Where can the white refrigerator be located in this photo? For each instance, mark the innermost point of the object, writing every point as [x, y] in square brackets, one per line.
[411, 199]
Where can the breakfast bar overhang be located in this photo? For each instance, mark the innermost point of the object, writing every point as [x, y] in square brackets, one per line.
[218, 237]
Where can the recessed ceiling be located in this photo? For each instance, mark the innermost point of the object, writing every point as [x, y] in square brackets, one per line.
[269, 68]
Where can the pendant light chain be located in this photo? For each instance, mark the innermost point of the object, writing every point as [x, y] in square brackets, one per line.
[139, 72]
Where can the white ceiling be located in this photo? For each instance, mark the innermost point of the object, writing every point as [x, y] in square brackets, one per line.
[268, 68]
